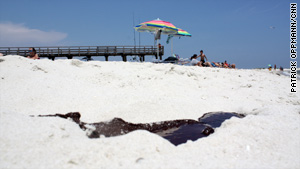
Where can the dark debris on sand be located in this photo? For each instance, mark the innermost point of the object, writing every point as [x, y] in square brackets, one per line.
[175, 131]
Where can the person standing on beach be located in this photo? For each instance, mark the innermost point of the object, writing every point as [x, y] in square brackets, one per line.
[202, 60]
[32, 54]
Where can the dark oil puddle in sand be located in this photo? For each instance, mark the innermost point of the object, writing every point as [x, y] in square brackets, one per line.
[175, 131]
[216, 119]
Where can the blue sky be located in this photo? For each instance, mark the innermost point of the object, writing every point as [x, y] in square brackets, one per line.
[249, 33]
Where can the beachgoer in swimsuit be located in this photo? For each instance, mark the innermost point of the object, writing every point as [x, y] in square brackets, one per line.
[32, 54]
[202, 60]
[226, 64]
[194, 61]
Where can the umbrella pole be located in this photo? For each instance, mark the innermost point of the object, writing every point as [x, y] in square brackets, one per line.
[157, 49]
[172, 46]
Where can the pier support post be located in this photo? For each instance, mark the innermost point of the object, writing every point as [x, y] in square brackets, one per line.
[106, 57]
[124, 58]
[142, 58]
[52, 58]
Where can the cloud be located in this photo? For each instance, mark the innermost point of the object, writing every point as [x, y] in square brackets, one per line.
[18, 35]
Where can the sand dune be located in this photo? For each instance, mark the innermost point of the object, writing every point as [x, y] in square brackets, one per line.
[268, 137]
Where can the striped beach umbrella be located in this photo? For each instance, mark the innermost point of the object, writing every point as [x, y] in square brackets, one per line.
[155, 25]
[182, 32]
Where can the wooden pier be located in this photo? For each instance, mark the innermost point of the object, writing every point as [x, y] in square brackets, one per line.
[87, 51]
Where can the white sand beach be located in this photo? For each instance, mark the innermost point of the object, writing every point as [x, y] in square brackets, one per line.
[268, 137]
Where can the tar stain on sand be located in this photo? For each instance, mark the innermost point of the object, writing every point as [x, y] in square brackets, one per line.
[175, 131]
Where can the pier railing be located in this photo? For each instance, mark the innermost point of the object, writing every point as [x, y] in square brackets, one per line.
[88, 51]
